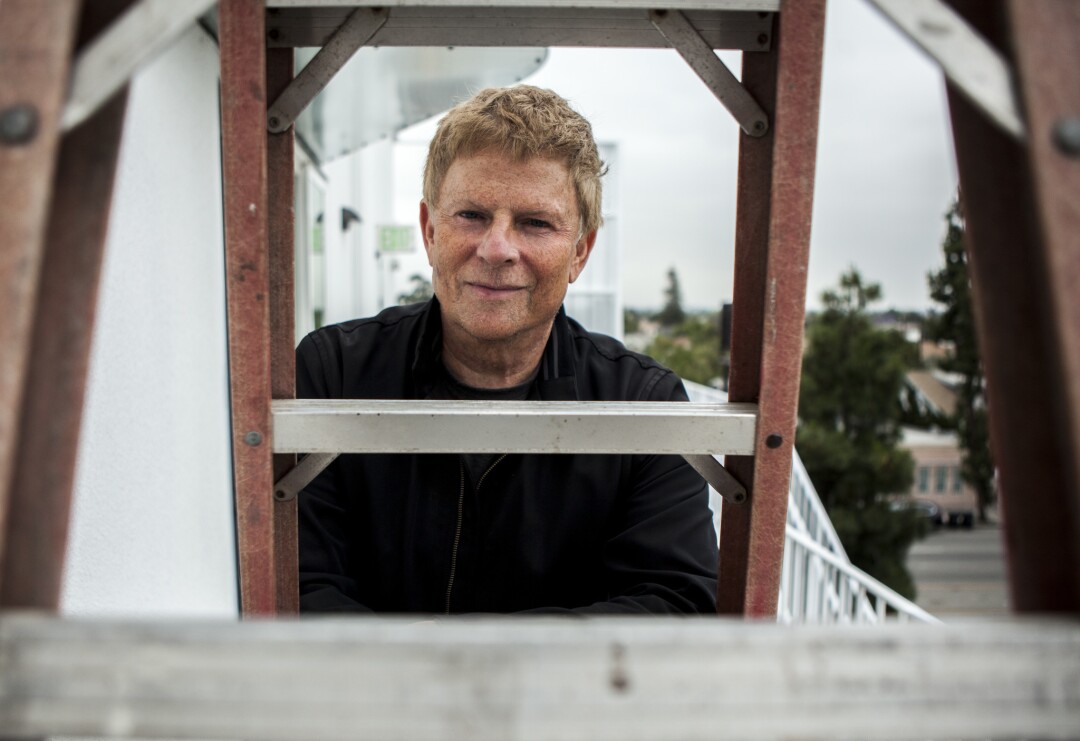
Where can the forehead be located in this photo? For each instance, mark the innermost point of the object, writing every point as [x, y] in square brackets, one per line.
[492, 175]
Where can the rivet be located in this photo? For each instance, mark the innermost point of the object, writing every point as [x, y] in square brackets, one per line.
[274, 121]
[1067, 136]
[274, 34]
[18, 124]
[280, 495]
[253, 438]
[763, 38]
[774, 441]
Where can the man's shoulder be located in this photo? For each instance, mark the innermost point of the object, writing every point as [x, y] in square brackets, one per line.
[360, 358]
[609, 369]
[387, 321]
[608, 348]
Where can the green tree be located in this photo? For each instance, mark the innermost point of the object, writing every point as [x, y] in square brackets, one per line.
[849, 430]
[421, 290]
[951, 287]
[672, 313]
[692, 349]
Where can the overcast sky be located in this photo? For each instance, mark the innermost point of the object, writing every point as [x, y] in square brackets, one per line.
[885, 173]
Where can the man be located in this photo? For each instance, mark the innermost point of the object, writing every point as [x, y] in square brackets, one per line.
[509, 216]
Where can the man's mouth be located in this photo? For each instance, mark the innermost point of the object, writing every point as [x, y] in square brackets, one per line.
[494, 289]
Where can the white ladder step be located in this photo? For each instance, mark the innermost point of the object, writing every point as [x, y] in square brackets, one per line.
[394, 426]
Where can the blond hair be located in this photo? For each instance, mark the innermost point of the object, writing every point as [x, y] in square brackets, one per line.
[524, 122]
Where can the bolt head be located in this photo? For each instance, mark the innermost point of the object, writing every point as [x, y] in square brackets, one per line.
[774, 441]
[253, 438]
[1067, 136]
[18, 124]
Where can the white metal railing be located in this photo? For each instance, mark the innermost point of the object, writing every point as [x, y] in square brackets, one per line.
[818, 583]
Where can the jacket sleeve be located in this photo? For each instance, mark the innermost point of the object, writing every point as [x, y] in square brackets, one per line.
[661, 551]
[322, 519]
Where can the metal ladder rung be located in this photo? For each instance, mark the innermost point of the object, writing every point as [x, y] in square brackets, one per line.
[394, 426]
[722, 26]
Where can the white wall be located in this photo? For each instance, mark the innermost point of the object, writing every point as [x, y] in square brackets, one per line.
[152, 523]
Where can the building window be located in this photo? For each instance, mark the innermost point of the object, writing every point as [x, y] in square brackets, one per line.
[924, 479]
[957, 480]
[942, 476]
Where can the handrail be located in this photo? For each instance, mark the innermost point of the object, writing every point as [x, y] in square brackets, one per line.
[873, 587]
[818, 582]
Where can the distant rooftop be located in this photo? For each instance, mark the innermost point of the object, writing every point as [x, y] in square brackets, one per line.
[934, 389]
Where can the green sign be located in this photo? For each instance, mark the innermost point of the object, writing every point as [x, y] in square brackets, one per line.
[396, 238]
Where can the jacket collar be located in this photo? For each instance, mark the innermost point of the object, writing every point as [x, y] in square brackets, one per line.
[556, 380]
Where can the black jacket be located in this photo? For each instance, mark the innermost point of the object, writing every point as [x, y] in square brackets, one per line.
[548, 533]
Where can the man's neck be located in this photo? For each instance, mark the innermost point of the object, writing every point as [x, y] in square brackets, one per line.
[484, 364]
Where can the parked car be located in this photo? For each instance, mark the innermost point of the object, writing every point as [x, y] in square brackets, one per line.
[927, 511]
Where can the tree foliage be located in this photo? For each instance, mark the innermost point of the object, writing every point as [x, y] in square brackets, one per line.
[849, 430]
[951, 287]
[672, 314]
[422, 290]
[691, 349]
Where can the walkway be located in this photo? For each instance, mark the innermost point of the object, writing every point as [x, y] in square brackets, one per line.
[961, 573]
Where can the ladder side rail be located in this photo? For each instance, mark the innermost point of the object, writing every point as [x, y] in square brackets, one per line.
[1046, 41]
[38, 39]
[1023, 312]
[63, 315]
[244, 174]
[280, 154]
[772, 250]
[744, 376]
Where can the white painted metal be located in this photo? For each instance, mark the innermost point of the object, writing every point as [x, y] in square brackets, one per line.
[747, 5]
[516, 680]
[717, 77]
[392, 426]
[807, 513]
[966, 58]
[310, 466]
[726, 485]
[852, 595]
[818, 583]
[145, 30]
[814, 578]
[360, 26]
[542, 25]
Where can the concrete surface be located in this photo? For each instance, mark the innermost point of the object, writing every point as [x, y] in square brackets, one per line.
[961, 572]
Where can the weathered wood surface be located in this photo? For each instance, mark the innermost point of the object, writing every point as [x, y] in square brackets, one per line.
[537, 679]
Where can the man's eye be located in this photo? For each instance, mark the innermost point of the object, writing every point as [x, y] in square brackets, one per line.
[469, 215]
[537, 223]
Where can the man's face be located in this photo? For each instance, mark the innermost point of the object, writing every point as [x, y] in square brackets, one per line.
[503, 244]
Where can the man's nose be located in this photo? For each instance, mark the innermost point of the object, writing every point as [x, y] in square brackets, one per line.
[498, 245]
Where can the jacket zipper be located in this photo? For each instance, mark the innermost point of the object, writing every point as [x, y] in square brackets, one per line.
[457, 529]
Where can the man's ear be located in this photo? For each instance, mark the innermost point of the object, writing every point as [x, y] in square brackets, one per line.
[582, 250]
[427, 229]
